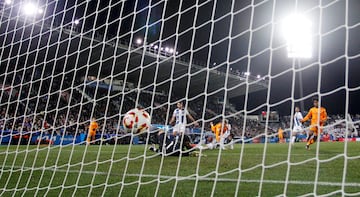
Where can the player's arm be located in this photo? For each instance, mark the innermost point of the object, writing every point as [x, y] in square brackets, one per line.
[172, 120]
[229, 127]
[300, 116]
[323, 116]
[96, 126]
[192, 119]
[307, 117]
[213, 127]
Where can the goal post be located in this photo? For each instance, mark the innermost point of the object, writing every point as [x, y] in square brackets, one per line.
[71, 70]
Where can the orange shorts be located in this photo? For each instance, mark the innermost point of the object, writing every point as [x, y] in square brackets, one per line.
[91, 134]
[316, 129]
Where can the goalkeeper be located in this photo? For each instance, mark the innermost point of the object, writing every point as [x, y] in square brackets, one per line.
[318, 118]
[168, 147]
[220, 131]
[92, 131]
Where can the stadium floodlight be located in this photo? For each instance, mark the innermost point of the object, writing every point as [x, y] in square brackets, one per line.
[167, 49]
[31, 9]
[76, 22]
[156, 47]
[8, 2]
[247, 73]
[171, 50]
[297, 32]
[139, 41]
[258, 76]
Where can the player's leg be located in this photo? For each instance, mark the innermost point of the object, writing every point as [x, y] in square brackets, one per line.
[88, 138]
[222, 140]
[180, 136]
[217, 137]
[309, 139]
[175, 136]
[230, 141]
[293, 136]
[281, 137]
[93, 138]
[316, 134]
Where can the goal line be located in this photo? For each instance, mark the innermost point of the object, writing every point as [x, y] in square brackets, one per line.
[192, 178]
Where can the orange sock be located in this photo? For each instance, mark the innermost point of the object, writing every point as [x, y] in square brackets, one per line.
[310, 141]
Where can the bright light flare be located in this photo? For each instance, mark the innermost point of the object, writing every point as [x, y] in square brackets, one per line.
[139, 41]
[297, 32]
[8, 2]
[31, 9]
[76, 22]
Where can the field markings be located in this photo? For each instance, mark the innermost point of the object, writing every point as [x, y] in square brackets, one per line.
[210, 152]
[193, 177]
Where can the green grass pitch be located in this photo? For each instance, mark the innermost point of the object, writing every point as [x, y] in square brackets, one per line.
[114, 170]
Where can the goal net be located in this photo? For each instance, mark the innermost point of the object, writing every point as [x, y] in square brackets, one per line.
[66, 64]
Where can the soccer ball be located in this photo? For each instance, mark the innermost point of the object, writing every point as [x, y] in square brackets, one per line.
[136, 121]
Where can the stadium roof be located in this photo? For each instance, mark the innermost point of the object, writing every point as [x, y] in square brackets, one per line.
[66, 51]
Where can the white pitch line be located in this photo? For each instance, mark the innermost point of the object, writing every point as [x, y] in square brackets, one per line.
[192, 177]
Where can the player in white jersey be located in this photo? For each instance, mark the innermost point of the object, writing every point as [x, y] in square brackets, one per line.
[297, 124]
[179, 117]
[226, 136]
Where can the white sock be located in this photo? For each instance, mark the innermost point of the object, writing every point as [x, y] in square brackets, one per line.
[222, 142]
[231, 144]
[293, 139]
[176, 142]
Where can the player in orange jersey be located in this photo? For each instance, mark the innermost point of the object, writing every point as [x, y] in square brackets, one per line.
[318, 118]
[220, 129]
[92, 131]
[281, 135]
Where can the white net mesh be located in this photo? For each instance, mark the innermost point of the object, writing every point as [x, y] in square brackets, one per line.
[64, 62]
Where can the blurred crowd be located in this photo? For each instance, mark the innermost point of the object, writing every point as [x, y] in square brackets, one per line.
[56, 107]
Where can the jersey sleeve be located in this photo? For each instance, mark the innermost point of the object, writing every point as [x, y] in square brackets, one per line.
[308, 116]
[323, 116]
[229, 127]
[213, 128]
[300, 116]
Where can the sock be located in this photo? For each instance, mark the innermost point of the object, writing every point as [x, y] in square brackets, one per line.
[312, 140]
[222, 142]
[293, 139]
[309, 138]
[315, 138]
[231, 144]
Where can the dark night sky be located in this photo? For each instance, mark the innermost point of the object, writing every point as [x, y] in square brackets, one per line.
[318, 74]
[333, 70]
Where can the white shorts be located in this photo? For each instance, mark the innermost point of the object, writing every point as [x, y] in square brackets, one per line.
[298, 129]
[179, 128]
[226, 134]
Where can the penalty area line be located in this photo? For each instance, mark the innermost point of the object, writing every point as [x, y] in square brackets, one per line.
[192, 177]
